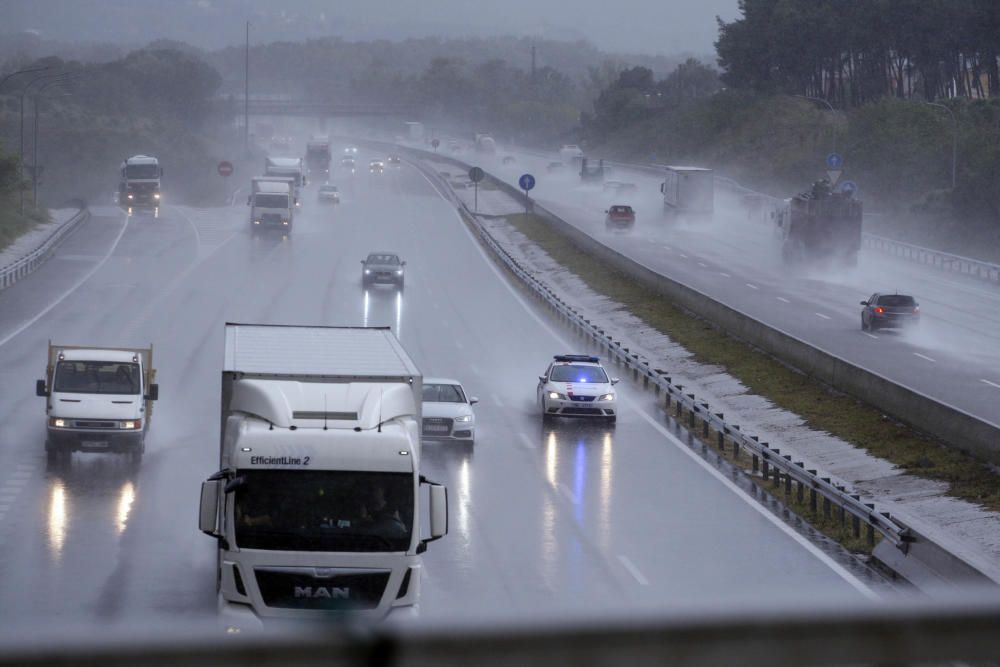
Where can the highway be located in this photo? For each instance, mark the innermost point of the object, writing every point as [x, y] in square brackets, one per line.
[543, 519]
[953, 356]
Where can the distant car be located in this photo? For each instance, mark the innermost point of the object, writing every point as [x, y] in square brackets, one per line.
[382, 267]
[554, 167]
[351, 150]
[376, 166]
[393, 160]
[619, 217]
[618, 187]
[570, 151]
[884, 311]
[448, 411]
[328, 193]
[280, 142]
[576, 385]
[508, 159]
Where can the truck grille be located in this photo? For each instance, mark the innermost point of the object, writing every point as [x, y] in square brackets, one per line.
[79, 423]
[437, 426]
[299, 588]
[270, 219]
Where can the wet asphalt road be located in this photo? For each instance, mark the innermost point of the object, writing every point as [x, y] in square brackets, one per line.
[543, 519]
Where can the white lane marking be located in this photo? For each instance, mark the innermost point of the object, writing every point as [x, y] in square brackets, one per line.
[45, 311]
[703, 265]
[782, 299]
[683, 255]
[569, 494]
[925, 357]
[633, 570]
[813, 550]
[525, 440]
[825, 317]
[724, 274]
[870, 335]
[666, 247]
[992, 384]
[752, 286]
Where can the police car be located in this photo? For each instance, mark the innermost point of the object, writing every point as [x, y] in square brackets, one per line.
[576, 385]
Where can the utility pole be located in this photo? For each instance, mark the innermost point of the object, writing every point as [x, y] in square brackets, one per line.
[34, 159]
[246, 94]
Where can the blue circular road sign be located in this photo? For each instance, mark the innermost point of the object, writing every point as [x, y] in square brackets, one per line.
[834, 161]
[527, 181]
[849, 187]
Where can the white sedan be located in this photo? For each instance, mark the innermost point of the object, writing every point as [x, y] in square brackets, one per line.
[576, 385]
[448, 411]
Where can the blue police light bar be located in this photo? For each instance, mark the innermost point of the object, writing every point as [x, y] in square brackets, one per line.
[577, 357]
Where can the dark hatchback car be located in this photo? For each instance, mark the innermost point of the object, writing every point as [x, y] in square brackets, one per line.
[884, 311]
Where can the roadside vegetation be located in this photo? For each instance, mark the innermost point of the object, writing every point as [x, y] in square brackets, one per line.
[13, 223]
[822, 408]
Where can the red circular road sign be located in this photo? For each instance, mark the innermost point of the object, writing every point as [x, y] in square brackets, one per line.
[225, 168]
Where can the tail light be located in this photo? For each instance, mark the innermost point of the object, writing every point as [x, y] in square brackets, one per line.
[879, 310]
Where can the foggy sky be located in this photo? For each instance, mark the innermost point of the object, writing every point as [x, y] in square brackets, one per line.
[627, 26]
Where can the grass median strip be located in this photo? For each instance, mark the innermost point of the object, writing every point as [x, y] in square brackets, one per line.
[822, 408]
[14, 224]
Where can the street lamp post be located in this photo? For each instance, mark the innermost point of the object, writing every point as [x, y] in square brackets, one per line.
[21, 71]
[34, 142]
[24, 91]
[954, 140]
[246, 94]
[828, 106]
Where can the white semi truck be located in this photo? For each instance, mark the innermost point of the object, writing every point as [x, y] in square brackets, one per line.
[139, 183]
[272, 203]
[318, 500]
[287, 167]
[97, 399]
[415, 130]
[689, 191]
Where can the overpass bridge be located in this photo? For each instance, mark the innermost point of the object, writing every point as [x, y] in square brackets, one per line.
[322, 108]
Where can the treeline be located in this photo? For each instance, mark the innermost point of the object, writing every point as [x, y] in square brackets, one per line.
[851, 52]
[158, 101]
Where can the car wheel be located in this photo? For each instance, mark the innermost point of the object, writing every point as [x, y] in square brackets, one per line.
[864, 325]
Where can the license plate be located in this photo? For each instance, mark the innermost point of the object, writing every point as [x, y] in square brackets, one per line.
[439, 428]
[95, 444]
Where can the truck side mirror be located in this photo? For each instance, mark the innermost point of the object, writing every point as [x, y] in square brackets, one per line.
[40, 389]
[438, 508]
[161, 172]
[208, 511]
[661, 187]
[153, 392]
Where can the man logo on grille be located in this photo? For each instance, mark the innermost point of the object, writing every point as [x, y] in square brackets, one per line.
[323, 592]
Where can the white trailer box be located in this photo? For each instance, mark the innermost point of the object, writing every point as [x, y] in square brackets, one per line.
[288, 167]
[317, 502]
[689, 190]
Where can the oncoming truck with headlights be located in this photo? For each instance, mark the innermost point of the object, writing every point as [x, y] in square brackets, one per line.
[139, 182]
[317, 503]
[272, 204]
[97, 399]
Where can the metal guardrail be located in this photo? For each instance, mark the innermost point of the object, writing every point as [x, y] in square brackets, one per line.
[11, 273]
[769, 462]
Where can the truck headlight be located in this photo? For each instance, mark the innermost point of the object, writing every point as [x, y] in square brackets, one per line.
[131, 196]
[367, 272]
[130, 424]
[57, 422]
[156, 195]
[284, 222]
[608, 397]
[399, 272]
[464, 419]
[256, 222]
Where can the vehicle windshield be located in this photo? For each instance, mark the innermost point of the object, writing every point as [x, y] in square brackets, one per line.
[578, 373]
[328, 188]
[382, 259]
[897, 300]
[317, 151]
[443, 393]
[324, 510]
[265, 200]
[145, 171]
[97, 377]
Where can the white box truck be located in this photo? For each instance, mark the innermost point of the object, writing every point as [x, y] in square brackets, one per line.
[415, 130]
[288, 167]
[689, 191]
[318, 500]
[272, 203]
[98, 399]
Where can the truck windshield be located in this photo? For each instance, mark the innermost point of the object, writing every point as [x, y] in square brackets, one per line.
[328, 510]
[142, 171]
[97, 377]
[265, 200]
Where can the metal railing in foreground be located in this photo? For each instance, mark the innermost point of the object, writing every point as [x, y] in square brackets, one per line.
[902, 632]
[11, 273]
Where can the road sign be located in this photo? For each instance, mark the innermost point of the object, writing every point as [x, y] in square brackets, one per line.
[435, 143]
[225, 168]
[849, 187]
[834, 161]
[476, 174]
[833, 175]
[527, 182]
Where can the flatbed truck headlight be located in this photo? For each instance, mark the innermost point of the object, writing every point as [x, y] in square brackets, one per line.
[156, 195]
[131, 196]
[130, 424]
[57, 422]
